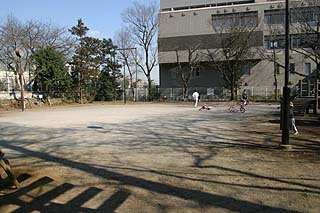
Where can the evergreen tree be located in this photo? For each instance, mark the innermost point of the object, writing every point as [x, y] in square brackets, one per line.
[51, 74]
[95, 71]
[108, 85]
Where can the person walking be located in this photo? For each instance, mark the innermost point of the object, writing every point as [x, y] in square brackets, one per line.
[292, 119]
[195, 97]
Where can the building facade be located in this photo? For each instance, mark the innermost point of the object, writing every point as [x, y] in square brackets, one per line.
[192, 22]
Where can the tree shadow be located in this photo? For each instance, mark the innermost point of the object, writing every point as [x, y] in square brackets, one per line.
[203, 198]
[169, 134]
[44, 200]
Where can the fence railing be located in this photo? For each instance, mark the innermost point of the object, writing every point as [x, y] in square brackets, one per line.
[176, 94]
[220, 93]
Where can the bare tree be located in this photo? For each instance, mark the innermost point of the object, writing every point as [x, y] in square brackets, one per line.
[185, 70]
[273, 48]
[128, 55]
[29, 37]
[305, 24]
[235, 49]
[10, 39]
[142, 24]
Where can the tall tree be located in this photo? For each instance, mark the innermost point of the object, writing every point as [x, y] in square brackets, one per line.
[108, 84]
[305, 24]
[51, 74]
[235, 49]
[95, 71]
[127, 55]
[141, 20]
[273, 48]
[187, 69]
[29, 37]
[84, 61]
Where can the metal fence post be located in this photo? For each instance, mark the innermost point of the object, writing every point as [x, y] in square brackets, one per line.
[316, 97]
[251, 92]
[266, 93]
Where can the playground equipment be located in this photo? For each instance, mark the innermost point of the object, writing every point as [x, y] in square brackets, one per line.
[307, 97]
[4, 163]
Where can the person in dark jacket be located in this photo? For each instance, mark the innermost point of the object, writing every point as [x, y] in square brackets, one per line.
[292, 119]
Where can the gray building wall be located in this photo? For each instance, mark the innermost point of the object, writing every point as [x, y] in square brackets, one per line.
[191, 25]
[208, 77]
[164, 4]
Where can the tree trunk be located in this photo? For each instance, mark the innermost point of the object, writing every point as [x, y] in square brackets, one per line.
[275, 90]
[232, 93]
[149, 88]
[185, 91]
[275, 76]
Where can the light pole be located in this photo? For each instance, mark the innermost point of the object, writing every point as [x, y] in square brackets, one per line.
[124, 72]
[20, 77]
[124, 83]
[286, 89]
[136, 58]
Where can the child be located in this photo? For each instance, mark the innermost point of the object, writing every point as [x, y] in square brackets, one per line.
[293, 121]
[195, 97]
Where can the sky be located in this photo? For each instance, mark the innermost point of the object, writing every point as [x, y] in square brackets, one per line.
[102, 17]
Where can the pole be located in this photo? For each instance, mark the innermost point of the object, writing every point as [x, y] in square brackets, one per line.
[124, 72]
[21, 83]
[286, 89]
[124, 84]
[136, 58]
[316, 97]
[20, 78]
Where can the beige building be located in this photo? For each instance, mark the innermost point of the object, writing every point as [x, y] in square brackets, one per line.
[191, 22]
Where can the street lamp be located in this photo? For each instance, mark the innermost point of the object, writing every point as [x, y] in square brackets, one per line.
[20, 77]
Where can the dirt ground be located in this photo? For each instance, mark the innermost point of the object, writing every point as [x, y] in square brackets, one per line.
[159, 158]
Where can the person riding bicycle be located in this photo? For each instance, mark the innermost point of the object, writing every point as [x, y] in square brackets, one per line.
[244, 97]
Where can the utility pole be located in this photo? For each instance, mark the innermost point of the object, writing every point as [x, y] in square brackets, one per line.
[124, 72]
[136, 58]
[20, 77]
[286, 89]
[124, 84]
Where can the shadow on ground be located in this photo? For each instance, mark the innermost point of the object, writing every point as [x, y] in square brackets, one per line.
[43, 202]
[182, 135]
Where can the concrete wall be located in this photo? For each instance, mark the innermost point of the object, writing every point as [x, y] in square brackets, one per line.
[198, 21]
[15, 95]
[183, 3]
[208, 77]
[193, 26]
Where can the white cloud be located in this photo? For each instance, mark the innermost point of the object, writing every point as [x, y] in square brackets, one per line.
[94, 33]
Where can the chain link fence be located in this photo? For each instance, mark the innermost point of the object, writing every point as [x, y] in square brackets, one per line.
[176, 94]
[220, 93]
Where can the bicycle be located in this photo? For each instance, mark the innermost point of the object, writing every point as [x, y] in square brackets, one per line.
[242, 108]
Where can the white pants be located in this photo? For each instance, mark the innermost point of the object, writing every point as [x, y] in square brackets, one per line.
[196, 102]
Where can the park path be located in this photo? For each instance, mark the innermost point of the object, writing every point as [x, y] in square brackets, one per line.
[158, 157]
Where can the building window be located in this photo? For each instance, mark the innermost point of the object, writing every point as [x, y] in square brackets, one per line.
[304, 15]
[196, 72]
[173, 74]
[276, 42]
[307, 68]
[274, 16]
[292, 68]
[243, 19]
